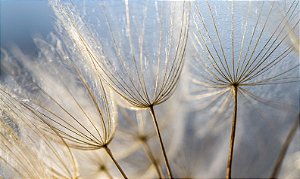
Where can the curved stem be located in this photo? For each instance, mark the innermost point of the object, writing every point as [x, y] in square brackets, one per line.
[161, 142]
[232, 137]
[151, 157]
[285, 147]
[114, 160]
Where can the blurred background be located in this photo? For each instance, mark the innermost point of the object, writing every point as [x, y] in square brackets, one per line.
[260, 133]
[21, 20]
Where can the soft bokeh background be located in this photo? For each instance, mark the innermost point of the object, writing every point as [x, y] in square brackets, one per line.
[21, 20]
[259, 134]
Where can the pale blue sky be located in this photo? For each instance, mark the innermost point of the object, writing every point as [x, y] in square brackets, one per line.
[21, 20]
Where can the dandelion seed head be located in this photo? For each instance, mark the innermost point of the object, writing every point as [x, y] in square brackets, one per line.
[26, 150]
[258, 54]
[68, 97]
[140, 63]
[235, 50]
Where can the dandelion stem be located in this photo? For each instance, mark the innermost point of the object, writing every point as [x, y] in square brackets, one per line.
[108, 151]
[284, 148]
[233, 126]
[151, 157]
[161, 142]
